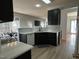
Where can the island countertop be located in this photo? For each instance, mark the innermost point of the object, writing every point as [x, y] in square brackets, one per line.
[14, 49]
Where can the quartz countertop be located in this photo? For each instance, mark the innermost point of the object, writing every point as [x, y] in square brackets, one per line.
[14, 49]
[40, 32]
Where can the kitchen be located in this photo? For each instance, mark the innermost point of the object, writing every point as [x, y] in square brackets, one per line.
[27, 32]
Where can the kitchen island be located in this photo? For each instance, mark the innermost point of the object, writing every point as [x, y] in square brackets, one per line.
[15, 50]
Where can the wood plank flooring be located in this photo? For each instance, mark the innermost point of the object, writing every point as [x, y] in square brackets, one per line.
[63, 51]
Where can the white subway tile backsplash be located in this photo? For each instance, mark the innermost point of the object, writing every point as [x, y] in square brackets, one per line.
[36, 29]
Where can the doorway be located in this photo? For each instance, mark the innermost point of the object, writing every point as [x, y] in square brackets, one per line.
[71, 22]
[73, 26]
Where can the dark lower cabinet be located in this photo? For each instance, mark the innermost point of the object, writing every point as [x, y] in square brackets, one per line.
[52, 37]
[26, 55]
[41, 38]
[47, 38]
[59, 37]
[23, 38]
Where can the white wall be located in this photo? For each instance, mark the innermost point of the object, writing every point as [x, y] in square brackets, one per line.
[5, 27]
[27, 21]
[63, 23]
[68, 25]
[53, 28]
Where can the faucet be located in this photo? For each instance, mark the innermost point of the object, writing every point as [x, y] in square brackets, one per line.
[40, 28]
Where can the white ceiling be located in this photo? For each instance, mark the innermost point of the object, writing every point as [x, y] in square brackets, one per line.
[28, 6]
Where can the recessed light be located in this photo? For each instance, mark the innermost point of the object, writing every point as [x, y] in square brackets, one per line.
[46, 1]
[37, 5]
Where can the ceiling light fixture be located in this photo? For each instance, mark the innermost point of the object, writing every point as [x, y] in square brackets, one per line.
[37, 5]
[46, 1]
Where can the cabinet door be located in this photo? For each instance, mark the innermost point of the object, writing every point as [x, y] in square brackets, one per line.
[54, 17]
[52, 39]
[23, 38]
[59, 37]
[6, 10]
[26, 55]
[30, 39]
[37, 37]
[41, 38]
[44, 38]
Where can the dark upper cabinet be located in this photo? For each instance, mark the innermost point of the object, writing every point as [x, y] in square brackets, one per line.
[6, 10]
[54, 17]
[37, 23]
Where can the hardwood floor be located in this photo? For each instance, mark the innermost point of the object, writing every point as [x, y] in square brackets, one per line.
[63, 51]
